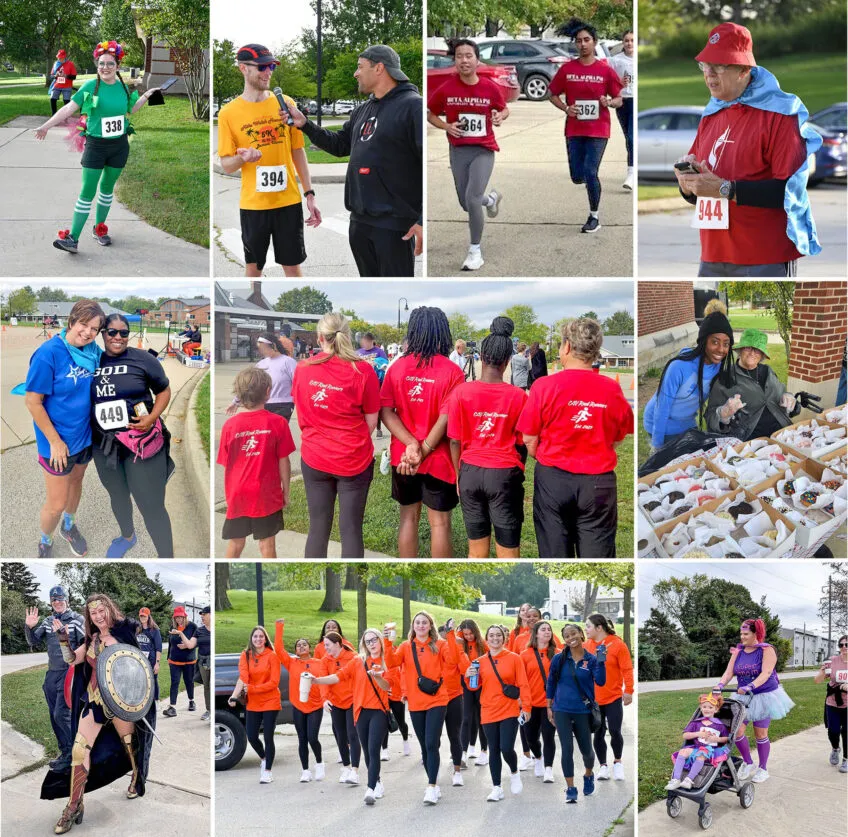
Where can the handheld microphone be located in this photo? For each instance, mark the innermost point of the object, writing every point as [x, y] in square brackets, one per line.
[283, 106]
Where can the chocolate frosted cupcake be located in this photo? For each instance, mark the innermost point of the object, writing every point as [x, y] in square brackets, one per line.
[642, 544]
[681, 509]
[741, 508]
[651, 505]
[733, 555]
[674, 496]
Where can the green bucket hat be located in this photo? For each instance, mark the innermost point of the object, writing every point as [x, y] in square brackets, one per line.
[753, 338]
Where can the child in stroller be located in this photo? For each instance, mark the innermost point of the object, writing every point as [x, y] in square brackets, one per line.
[708, 737]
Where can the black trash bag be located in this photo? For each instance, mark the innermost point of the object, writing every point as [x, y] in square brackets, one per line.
[689, 442]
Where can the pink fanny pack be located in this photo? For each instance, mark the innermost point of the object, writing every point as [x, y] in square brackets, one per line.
[143, 444]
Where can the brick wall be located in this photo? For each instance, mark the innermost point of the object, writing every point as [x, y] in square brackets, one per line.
[819, 325]
[663, 305]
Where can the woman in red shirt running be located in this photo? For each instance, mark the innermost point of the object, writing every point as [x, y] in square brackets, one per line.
[337, 399]
[541, 649]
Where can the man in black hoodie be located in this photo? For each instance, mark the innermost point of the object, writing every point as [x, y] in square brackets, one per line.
[383, 187]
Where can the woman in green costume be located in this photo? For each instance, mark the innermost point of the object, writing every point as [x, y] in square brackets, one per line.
[104, 103]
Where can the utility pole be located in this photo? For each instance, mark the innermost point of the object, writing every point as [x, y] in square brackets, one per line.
[260, 602]
[319, 62]
[804, 648]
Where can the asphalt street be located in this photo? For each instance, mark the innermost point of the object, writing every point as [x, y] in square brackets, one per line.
[669, 246]
[320, 808]
[537, 232]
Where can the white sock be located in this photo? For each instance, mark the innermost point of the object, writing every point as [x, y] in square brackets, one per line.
[488, 200]
[593, 214]
[629, 170]
[474, 248]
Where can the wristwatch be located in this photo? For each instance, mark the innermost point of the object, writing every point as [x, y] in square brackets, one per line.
[309, 192]
[727, 189]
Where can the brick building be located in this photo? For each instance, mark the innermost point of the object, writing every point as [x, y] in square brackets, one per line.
[665, 321]
[179, 310]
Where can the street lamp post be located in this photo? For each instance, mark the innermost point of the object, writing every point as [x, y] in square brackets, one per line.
[405, 307]
[318, 61]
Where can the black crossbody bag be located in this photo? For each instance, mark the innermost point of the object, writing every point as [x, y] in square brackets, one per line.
[390, 717]
[426, 684]
[595, 719]
[510, 691]
[541, 668]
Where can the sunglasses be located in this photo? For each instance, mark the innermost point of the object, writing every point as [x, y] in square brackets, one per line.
[261, 67]
[114, 332]
[718, 69]
[843, 644]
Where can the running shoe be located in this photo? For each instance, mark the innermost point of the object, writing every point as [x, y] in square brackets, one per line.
[571, 795]
[45, 550]
[121, 546]
[515, 783]
[192, 706]
[170, 712]
[834, 757]
[525, 763]
[406, 749]
[473, 261]
[205, 716]
[539, 768]
[320, 773]
[674, 784]
[430, 797]
[66, 242]
[603, 772]
[438, 792]
[343, 775]
[628, 182]
[463, 762]
[589, 785]
[618, 771]
[379, 791]
[384, 754]
[493, 208]
[306, 776]
[266, 778]
[496, 795]
[77, 542]
[760, 776]
[592, 225]
[457, 780]
[472, 752]
[352, 776]
[369, 796]
[687, 783]
[843, 768]
[744, 771]
[482, 759]
[100, 234]
[549, 775]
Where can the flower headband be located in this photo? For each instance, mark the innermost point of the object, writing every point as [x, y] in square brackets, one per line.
[715, 700]
[113, 48]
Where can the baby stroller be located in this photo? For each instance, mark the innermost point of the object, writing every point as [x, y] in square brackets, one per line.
[718, 777]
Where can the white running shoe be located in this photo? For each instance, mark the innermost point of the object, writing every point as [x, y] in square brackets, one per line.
[483, 759]
[525, 763]
[539, 768]
[438, 792]
[603, 772]
[549, 775]
[406, 748]
[515, 783]
[306, 776]
[379, 791]
[339, 760]
[384, 754]
[674, 784]
[686, 784]
[343, 775]
[834, 757]
[472, 752]
[744, 771]
[493, 208]
[430, 797]
[628, 182]
[473, 261]
[369, 797]
[618, 771]
[266, 778]
[261, 769]
[457, 780]
[496, 795]
[352, 776]
[463, 762]
[320, 773]
[760, 776]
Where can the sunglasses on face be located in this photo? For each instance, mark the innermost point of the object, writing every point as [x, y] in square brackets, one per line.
[109, 64]
[843, 644]
[718, 69]
[114, 332]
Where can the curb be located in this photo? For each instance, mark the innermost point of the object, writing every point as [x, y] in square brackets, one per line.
[195, 459]
[661, 205]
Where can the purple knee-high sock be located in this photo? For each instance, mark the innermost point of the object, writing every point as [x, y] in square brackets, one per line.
[744, 749]
[695, 769]
[763, 750]
[678, 767]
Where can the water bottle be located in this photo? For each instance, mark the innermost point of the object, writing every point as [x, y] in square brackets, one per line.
[474, 679]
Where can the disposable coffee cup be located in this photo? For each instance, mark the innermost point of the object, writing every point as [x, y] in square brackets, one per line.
[305, 687]
[391, 627]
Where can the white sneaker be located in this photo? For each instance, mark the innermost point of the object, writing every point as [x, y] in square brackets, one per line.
[493, 208]
[760, 776]
[339, 760]
[406, 748]
[463, 762]
[603, 772]
[430, 797]
[686, 784]
[618, 771]
[320, 773]
[379, 791]
[369, 797]
[473, 261]
[261, 769]
[539, 768]
[549, 774]
[266, 778]
[515, 783]
[834, 757]
[352, 776]
[306, 776]
[384, 754]
[628, 182]
[496, 795]
[472, 752]
[343, 775]
[457, 780]
[525, 763]
[674, 784]
[744, 771]
[438, 792]
[483, 759]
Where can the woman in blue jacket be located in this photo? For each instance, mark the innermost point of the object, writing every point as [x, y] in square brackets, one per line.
[571, 693]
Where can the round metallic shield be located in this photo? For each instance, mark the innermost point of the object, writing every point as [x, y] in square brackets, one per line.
[126, 682]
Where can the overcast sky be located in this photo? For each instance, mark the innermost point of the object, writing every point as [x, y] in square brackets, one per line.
[266, 22]
[377, 302]
[792, 589]
[117, 288]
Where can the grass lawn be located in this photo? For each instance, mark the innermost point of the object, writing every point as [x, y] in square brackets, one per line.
[652, 191]
[819, 80]
[23, 101]
[382, 517]
[663, 715]
[201, 411]
[303, 619]
[742, 318]
[316, 155]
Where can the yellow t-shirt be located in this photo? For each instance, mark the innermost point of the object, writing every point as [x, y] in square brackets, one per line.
[271, 182]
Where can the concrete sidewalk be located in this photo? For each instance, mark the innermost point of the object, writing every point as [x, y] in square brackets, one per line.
[537, 232]
[783, 805]
[18, 662]
[41, 183]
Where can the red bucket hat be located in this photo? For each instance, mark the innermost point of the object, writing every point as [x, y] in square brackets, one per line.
[728, 43]
[179, 610]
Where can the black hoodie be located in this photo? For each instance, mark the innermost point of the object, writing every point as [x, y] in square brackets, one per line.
[384, 138]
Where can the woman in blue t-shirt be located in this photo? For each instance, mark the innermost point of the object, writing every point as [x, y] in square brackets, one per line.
[58, 396]
[149, 639]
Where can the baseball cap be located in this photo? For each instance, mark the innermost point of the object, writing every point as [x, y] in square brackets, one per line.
[256, 54]
[728, 43]
[179, 610]
[145, 611]
[58, 592]
[206, 609]
[61, 55]
[385, 55]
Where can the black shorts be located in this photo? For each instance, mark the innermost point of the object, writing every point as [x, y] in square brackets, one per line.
[259, 527]
[283, 226]
[281, 408]
[82, 457]
[492, 497]
[436, 494]
[99, 153]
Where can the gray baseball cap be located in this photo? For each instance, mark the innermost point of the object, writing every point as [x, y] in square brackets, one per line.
[385, 55]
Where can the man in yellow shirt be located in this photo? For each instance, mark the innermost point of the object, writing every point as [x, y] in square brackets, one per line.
[253, 136]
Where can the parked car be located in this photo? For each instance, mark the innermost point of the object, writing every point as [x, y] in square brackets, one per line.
[343, 107]
[440, 66]
[831, 160]
[536, 61]
[230, 734]
[665, 135]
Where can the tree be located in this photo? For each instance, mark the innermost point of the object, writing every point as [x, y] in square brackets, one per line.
[590, 315]
[130, 303]
[18, 577]
[460, 326]
[117, 23]
[222, 584]
[779, 297]
[293, 75]
[12, 615]
[658, 19]
[22, 301]
[227, 80]
[354, 24]
[48, 294]
[333, 592]
[619, 323]
[527, 327]
[833, 605]
[306, 300]
[510, 583]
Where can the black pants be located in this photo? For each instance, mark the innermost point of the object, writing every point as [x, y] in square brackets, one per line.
[569, 727]
[398, 708]
[204, 666]
[428, 724]
[584, 159]
[625, 119]
[321, 491]
[187, 674]
[453, 727]
[371, 727]
[142, 480]
[381, 252]
[60, 714]
[501, 736]
[345, 732]
[307, 725]
[471, 720]
[541, 735]
[837, 727]
[575, 515]
[266, 721]
[613, 715]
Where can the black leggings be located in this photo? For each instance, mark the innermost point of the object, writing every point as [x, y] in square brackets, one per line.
[307, 725]
[612, 715]
[267, 721]
[539, 726]
[453, 727]
[371, 725]
[345, 732]
[584, 160]
[398, 708]
[625, 119]
[187, 674]
[142, 480]
[321, 492]
[428, 724]
[837, 727]
[501, 736]
[570, 726]
[471, 720]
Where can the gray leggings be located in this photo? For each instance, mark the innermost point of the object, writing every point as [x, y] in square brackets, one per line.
[472, 167]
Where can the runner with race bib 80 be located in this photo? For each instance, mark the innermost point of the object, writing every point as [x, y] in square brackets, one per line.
[473, 106]
[591, 87]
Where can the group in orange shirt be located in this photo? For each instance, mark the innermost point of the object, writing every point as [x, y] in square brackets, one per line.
[473, 646]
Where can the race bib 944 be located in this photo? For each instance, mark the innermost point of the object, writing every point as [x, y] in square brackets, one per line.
[711, 214]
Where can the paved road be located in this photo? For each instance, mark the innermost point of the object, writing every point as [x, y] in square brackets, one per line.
[320, 808]
[537, 232]
[706, 682]
[18, 662]
[668, 246]
[28, 225]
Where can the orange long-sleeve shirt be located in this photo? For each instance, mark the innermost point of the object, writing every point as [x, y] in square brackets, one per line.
[534, 676]
[321, 651]
[296, 666]
[340, 694]
[520, 642]
[619, 666]
[261, 675]
[494, 705]
[437, 666]
[514, 634]
[363, 695]
[463, 660]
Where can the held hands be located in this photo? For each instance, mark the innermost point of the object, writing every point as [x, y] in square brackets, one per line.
[410, 459]
[417, 231]
[314, 219]
[731, 407]
[704, 185]
[31, 617]
[249, 155]
[143, 423]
